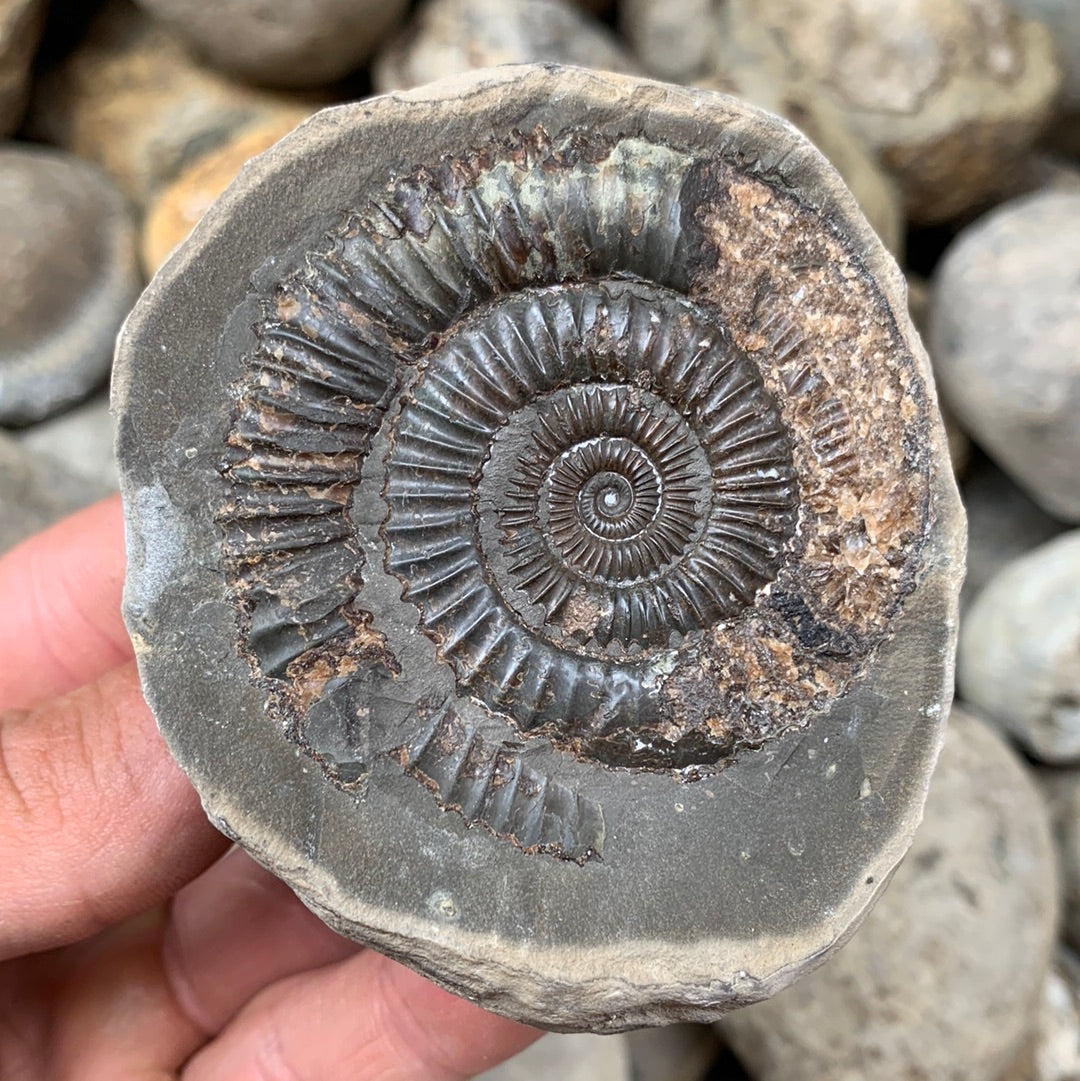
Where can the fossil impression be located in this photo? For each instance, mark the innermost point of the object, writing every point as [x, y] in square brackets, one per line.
[541, 550]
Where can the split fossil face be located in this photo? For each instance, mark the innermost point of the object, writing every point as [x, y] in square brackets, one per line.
[569, 438]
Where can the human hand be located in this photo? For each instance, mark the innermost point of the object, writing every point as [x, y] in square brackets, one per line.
[131, 946]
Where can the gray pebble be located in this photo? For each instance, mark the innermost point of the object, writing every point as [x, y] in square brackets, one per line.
[68, 277]
[35, 492]
[1003, 524]
[943, 979]
[131, 98]
[567, 1057]
[1053, 1053]
[449, 37]
[676, 40]
[673, 1053]
[1061, 787]
[1005, 338]
[1063, 19]
[951, 94]
[1019, 654]
[282, 42]
[80, 439]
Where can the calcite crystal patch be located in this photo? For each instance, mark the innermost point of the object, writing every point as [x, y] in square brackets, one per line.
[543, 547]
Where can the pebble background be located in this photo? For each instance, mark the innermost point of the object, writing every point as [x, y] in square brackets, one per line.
[957, 125]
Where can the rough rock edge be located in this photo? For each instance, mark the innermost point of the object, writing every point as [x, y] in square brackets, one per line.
[464, 963]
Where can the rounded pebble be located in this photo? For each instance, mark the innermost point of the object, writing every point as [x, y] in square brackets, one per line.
[1053, 1052]
[81, 438]
[1003, 524]
[449, 37]
[568, 1057]
[36, 490]
[177, 209]
[280, 42]
[68, 278]
[1063, 19]
[1061, 787]
[1019, 654]
[952, 94]
[675, 40]
[131, 98]
[1005, 338]
[944, 978]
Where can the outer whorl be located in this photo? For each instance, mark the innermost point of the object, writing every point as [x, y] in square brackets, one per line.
[554, 502]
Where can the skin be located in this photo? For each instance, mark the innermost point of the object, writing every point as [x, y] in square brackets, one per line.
[134, 943]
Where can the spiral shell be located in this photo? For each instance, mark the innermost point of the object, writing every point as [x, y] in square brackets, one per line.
[568, 475]
[591, 487]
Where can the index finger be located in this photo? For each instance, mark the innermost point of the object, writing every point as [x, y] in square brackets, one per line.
[60, 623]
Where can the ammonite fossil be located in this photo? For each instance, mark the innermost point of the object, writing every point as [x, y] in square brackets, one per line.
[543, 553]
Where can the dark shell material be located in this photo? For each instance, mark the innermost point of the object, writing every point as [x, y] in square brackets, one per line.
[549, 496]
